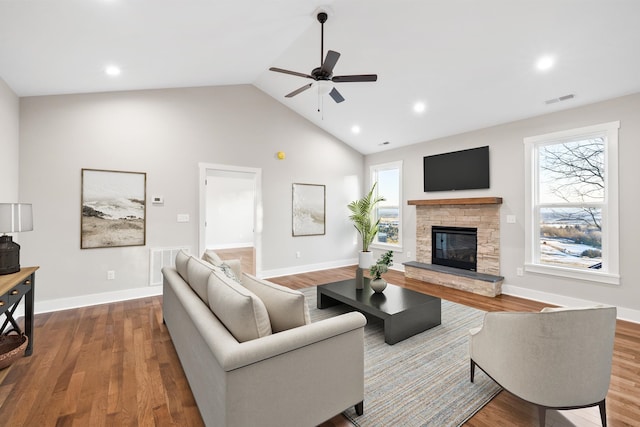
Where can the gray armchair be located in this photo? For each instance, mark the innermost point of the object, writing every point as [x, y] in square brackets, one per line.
[557, 359]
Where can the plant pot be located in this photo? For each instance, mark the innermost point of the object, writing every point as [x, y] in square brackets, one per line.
[378, 285]
[365, 259]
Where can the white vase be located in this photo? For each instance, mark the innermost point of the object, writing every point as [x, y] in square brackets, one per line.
[365, 259]
[378, 285]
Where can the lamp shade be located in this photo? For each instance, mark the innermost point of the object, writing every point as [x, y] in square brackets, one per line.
[324, 87]
[15, 217]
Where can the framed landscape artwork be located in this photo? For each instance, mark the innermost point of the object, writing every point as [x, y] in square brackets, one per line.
[113, 209]
[308, 210]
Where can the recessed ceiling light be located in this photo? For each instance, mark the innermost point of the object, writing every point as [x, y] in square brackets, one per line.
[545, 63]
[419, 107]
[112, 70]
[355, 129]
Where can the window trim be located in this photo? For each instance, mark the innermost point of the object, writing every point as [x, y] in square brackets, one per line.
[373, 170]
[610, 219]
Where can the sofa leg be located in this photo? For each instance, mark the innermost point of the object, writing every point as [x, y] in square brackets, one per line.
[542, 415]
[473, 369]
[603, 413]
[359, 407]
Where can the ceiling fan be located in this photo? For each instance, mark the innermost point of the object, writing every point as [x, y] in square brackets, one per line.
[323, 75]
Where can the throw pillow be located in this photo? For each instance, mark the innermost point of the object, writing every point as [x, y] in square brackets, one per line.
[198, 272]
[212, 257]
[231, 267]
[181, 264]
[287, 308]
[239, 310]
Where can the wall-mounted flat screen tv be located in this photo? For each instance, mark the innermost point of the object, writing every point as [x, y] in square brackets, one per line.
[458, 170]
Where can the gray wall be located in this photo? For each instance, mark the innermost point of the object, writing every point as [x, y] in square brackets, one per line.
[507, 181]
[9, 122]
[166, 133]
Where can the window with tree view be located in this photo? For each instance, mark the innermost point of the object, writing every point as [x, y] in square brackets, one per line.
[573, 217]
[389, 179]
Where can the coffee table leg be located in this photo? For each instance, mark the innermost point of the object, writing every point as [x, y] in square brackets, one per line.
[324, 301]
[408, 323]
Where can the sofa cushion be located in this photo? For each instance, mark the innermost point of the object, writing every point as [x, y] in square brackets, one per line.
[181, 264]
[239, 309]
[198, 272]
[287, 308]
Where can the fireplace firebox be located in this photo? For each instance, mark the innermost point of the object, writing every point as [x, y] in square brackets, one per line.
[454, 247]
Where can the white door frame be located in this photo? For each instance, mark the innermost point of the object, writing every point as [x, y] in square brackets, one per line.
[257, 226]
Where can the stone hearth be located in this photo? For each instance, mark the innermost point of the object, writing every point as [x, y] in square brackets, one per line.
[482, 213]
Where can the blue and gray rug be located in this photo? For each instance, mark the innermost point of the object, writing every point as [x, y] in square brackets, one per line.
[423, 380]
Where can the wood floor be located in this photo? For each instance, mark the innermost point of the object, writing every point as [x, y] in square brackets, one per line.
[115, 365]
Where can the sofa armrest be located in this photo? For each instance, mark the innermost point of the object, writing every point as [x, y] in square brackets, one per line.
[236, 356]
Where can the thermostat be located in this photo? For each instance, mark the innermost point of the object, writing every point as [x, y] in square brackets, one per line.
[157, 200]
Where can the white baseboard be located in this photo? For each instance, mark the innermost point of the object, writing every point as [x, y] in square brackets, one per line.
[265, 274]
[232, 246]
[47, 306]
[628, 314]
[87, 300]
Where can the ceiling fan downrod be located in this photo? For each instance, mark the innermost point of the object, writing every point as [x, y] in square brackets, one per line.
[322, 18]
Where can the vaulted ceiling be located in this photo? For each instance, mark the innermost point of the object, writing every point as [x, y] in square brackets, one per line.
[471, 63]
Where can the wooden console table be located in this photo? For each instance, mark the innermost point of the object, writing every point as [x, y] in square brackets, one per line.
[12, 288]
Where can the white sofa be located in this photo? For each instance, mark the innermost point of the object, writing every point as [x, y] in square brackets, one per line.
[258, 361]
[559, 358]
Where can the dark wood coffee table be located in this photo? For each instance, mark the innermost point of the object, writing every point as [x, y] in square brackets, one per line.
[403, 311]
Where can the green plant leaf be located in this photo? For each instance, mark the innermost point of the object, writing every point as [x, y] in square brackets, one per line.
[362, 216]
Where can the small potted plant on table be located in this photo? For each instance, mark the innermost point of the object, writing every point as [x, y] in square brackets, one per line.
[378, 284]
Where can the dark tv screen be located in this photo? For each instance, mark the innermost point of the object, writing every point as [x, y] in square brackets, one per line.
[458, 170]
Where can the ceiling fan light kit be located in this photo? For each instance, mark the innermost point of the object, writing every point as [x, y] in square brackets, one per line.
[323, 74]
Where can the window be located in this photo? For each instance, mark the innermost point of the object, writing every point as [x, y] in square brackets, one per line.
[572, 203]
[389, 179]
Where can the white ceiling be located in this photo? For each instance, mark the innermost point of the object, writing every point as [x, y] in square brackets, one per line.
[471, 61]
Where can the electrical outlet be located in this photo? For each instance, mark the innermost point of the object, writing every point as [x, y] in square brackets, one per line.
[183, 217]
[298, 255]
[519, 271]
[408, 255]
[111, 275]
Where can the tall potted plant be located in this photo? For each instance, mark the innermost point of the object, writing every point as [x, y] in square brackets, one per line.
[362, 218]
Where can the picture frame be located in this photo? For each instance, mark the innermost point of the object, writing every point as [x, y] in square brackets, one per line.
[308, 209]
[113, 209]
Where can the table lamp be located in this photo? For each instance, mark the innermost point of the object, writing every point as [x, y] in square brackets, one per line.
[14, 217]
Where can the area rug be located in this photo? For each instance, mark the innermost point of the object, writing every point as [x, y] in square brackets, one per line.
[423, 380]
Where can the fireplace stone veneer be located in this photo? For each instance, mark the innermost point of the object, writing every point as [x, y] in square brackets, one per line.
[481, 213]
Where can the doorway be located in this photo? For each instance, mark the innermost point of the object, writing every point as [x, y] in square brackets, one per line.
[230, 221]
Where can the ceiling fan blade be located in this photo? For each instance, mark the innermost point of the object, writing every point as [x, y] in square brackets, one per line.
[293, 73]
[329, 62]
[297, 91]
[336, 95]
[355, 78]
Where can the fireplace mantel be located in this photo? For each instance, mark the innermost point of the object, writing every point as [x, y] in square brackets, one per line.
[461, 201]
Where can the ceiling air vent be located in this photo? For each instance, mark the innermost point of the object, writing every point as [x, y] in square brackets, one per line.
[562, 98]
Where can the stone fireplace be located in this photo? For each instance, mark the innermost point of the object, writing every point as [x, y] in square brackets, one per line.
[482, 214]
